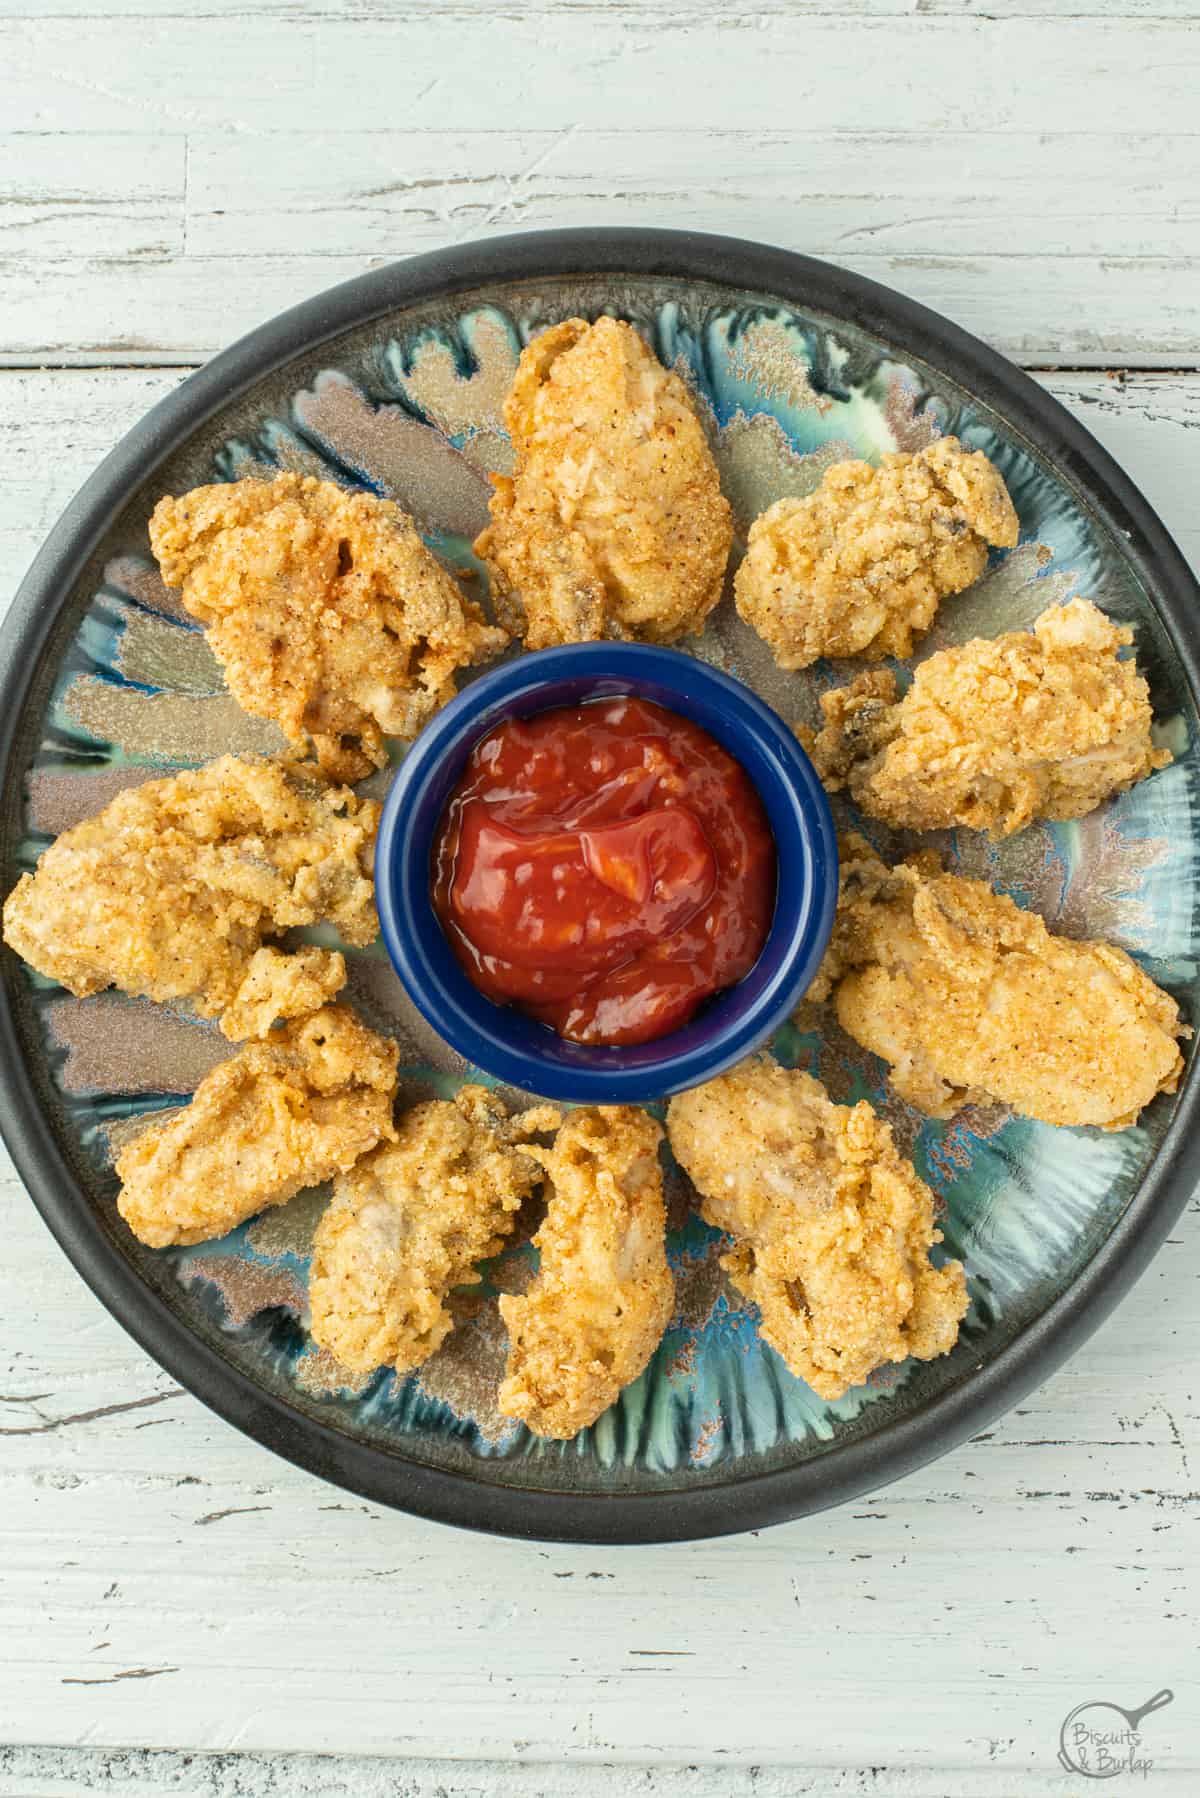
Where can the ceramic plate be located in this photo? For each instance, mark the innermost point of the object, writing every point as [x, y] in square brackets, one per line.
[395, 382]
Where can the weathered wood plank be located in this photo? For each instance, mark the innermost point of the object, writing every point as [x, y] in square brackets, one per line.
[1151, 425]
[559, 72]
[134, 1773]
[167, 182]
[55, 426]
[1043, 311]
[1061, 248]
[907, 193]
[109, 195]
[616, 14]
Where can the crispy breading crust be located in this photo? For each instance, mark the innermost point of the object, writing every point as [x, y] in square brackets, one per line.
[859, 566]
[971, 999]
[277, 1116]
[411, 1221]
[1046, 723]
[168, 892]
[832, 1227]
[614, 524]
[325, 608]
[603, 1294]
[281, 984]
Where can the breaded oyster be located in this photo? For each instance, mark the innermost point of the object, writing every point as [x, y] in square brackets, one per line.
[413, 1220]
[613, 524]
[324, 607]
[831, 1225]
[1044, 723]
[603, 1294]
[169, 891]
[277, 1116]
[859, 567]
[971, 999]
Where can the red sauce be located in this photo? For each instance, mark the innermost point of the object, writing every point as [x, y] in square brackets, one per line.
[606, 867]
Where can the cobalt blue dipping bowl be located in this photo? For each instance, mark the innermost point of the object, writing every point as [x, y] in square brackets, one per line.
[501, 1040]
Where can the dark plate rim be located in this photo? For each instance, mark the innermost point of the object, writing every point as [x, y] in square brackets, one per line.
[392, 1479]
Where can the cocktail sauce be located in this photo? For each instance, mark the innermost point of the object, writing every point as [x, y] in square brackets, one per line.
[606, 867]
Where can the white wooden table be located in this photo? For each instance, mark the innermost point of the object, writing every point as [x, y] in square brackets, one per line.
[181, 1613]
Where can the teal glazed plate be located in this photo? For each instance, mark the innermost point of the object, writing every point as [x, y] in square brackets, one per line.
[395, 382]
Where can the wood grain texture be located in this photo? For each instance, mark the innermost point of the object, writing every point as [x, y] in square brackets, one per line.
[166, 1584]
[427, 68]
[1045, 312]
[67, 1773]
[617, 14]
[1032, 172]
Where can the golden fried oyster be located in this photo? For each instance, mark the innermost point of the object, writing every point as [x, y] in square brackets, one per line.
[832, 1227]
[603, 1294]
[1045, 723]
[325, 608]
[859, 567]
[281, 983]
[614, 524]
[971, 1000]
[279, 1115]
[411, 1221]
[169, 891]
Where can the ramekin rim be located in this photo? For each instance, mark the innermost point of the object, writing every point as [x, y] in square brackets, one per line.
[478, 1029]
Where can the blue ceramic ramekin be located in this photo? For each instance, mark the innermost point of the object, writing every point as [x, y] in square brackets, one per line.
[501, 1040]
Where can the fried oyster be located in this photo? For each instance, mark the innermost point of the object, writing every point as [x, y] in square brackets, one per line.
[169, 891]
[832, 1227]
[279, 1115]
[325, 608]
[411, 1221]
[614, 524]
[1044, 723]
[603, 1294]
[859, 567]
[971, 1000]
[280, 984]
